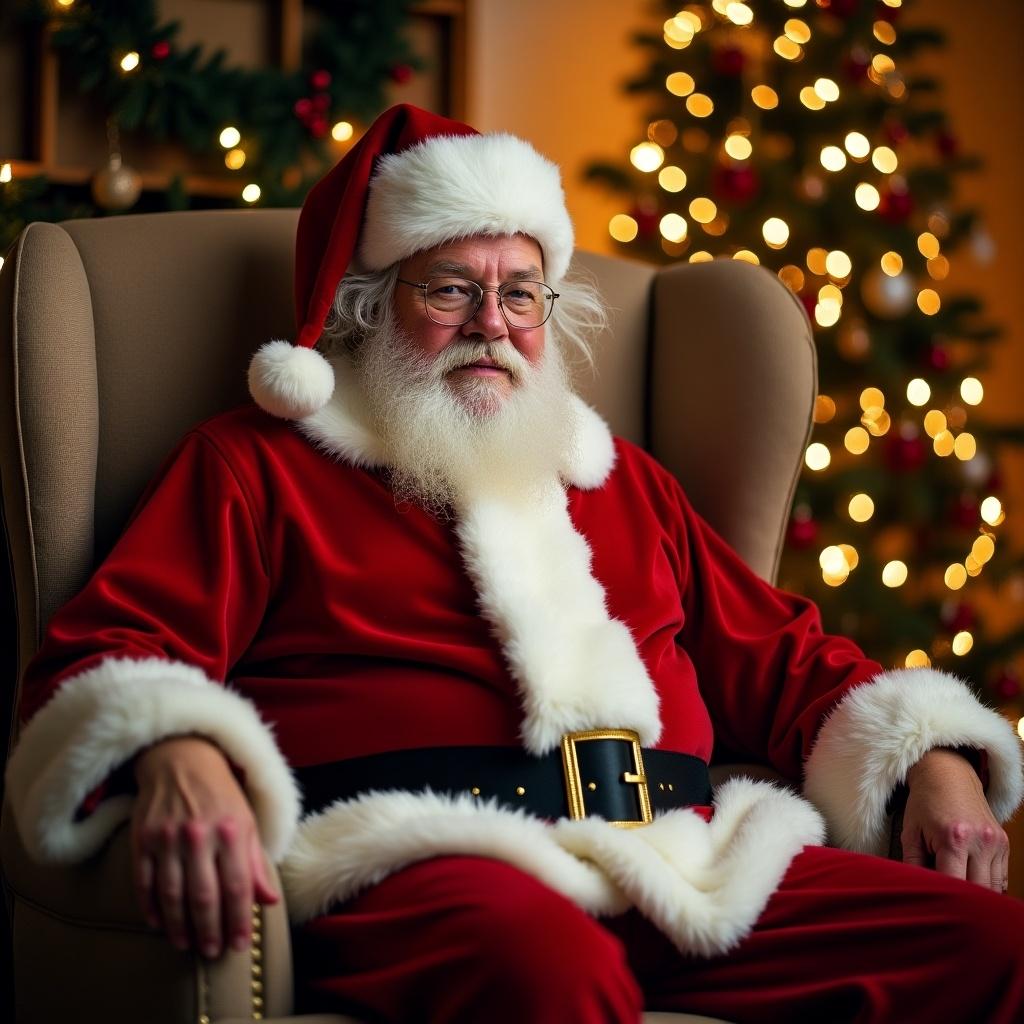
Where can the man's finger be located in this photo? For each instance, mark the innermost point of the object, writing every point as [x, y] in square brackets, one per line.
[264, 890]
[952, 862]
[145, 872]
[913, 847]
[170, 890]
[203, 889]
[236, 885]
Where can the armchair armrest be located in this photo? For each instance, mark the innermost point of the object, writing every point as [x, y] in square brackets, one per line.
[83, 951]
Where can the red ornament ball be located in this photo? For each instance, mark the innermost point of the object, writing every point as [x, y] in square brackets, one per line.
[855, 66]
[401, 73]
[737, 184]
[937, 358]
[895, 207]
[647, 215]
[729, 60]
[895, 131]
[161, 50]
[958, 617]
[965, 512]
[1007, 686]
[320, 80]
[840, 8]
[318, 126]
[905, 454]
[303, 108]
[802, 533]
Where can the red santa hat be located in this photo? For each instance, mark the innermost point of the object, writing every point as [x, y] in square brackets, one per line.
[413, 181]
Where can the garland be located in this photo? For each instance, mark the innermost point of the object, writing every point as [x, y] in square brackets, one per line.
[152, 86]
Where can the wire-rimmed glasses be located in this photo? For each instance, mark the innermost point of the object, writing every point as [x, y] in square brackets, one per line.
[453, 301]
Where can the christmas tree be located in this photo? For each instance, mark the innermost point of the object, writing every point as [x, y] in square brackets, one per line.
[796, 135]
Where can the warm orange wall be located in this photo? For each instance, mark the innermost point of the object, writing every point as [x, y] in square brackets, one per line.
[558, 84]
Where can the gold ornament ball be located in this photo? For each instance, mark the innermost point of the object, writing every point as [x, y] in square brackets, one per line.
[117, 186]
[886, 296]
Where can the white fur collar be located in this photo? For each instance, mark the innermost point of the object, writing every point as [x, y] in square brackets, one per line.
[342, 428]
[575, 667]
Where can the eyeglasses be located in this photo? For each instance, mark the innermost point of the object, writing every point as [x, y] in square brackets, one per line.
[453, 301]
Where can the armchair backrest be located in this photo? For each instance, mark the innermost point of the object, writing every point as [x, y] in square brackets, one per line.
[118, 334]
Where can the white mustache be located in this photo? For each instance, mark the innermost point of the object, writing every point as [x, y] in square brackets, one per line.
[465, 353]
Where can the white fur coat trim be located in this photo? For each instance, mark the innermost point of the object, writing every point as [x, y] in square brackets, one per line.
[881, 728]
[703, 884]
[102, 718]
[450, 187]
[575, 666]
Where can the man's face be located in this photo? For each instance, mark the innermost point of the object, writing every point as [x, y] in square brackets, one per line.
[490, 262]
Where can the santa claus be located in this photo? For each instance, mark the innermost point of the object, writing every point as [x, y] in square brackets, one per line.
[420, 628]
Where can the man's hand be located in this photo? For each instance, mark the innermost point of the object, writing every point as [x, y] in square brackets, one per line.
[948, 822]
[196, 852]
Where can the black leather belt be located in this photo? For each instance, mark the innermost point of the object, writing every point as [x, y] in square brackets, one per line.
[602, 772]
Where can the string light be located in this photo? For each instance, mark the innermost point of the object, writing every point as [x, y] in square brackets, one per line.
[861, 508]
[701, 256]
[918, 391]
[738, 147]
[342, 131]
[917, 659]
[746, 256]
[983, 548]
[971, 390]
[955, 576]
[810, 99]
[787, 49]
[703, 210]
[885, 160]
[832, 158]
[817, 456]
[776, 232]
[700, 105]
[928, 301]
[857, 145]
[824, 409]
[934, 422]
[884, 32]
[672, 178]
[928, 245]
[5, 173]
[894, 573]
[867, 196]
[857, 440]
[838, 264]
[992, 511]
[251, 193]
[130, 61]
[965, 447]
[943, 443]
[827, 89]
[230, 137]
[962, 643]
[798, 31]
[673, 227]
[765, 97]
[739, 14]
[623, 228]
[647, 156]
[234, 159]
[679, 83]
[892, 264]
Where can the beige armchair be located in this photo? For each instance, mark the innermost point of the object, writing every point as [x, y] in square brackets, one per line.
[102, 324]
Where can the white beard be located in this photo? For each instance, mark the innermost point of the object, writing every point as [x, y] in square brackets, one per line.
[445, 443]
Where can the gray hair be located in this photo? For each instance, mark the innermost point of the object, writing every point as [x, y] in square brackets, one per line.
[362, 303]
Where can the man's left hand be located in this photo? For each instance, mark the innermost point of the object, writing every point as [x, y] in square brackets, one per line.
[948, 822]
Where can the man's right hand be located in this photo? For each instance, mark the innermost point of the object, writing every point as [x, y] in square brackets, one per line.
[196, 852]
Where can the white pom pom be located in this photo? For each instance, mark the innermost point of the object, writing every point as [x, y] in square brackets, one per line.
[290, 382]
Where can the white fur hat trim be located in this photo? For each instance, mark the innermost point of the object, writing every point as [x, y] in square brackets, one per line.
[451, 187]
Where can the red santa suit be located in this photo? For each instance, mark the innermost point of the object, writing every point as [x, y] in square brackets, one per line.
[275, 560]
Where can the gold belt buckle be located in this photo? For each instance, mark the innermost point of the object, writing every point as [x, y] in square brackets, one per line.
[574, 782]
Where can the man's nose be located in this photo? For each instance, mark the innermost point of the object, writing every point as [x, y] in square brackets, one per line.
[488, 320]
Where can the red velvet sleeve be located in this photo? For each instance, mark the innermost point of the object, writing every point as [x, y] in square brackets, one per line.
[767, 671]
[187, 581]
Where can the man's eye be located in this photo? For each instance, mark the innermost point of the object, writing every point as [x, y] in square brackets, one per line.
[520, 294]
[451, 290]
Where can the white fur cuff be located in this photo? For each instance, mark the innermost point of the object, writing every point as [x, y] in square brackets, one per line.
[883, 727]
[100, 719]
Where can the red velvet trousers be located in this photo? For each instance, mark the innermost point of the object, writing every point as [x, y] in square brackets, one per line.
[845, 938]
